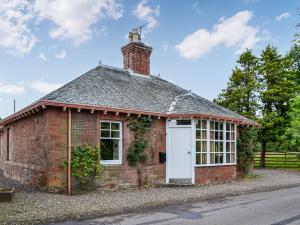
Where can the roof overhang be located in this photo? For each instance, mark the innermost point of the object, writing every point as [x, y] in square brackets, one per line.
[43, 104]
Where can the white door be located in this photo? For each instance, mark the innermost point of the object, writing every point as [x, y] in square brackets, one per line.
[180, 149]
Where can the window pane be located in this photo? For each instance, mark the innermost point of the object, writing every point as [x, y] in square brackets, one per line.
[221, 147]
[212, 125]
[221, 126]
[109, 149]
[115, 126]
[232, 127]
[183, 122]
[204, 146]
[198, 125]
[105, 125]
[105, 133]
[212, 158]
[204, 134]
[228, 126]
[232, 158]
[232, 147]
[232, 136]
[212, 136]
[227, 135]
[227, 158]
[198, 146]
[115, 134]
[212, 146]
[198, 160]
[227, 146]
[198, 134]
[216, 135]
[204, 124]
[204, 159]
[221, 135]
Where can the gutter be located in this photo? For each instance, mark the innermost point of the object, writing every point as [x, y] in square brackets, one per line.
[69, 150]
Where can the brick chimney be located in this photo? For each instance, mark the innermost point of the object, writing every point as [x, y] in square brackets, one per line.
[136, 54]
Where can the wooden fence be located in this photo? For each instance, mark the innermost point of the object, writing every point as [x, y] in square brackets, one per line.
[279, 160]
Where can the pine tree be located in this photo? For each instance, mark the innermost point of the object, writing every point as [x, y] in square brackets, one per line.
[278, 88]
[241, 92]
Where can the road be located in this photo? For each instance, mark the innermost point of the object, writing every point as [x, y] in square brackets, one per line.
[279, 207]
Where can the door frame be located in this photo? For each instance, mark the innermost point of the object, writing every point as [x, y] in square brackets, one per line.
[172, 124]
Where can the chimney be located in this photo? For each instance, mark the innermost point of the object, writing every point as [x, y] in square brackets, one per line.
[136, 54]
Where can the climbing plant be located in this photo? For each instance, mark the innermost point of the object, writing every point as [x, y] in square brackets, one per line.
[247, 149]
[136, 153]
[85, 165]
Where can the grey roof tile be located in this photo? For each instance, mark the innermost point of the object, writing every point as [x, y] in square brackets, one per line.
[114, 87]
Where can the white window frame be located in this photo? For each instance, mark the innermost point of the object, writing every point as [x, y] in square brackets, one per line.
[208, 140]
[119, 161]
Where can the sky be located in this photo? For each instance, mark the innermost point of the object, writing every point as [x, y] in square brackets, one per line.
[47, 43]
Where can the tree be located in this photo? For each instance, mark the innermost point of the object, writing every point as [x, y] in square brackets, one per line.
[241, 92]
[292, 135]
[294, 55]
[278, 88]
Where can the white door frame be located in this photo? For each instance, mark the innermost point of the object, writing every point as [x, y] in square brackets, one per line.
[172, 124]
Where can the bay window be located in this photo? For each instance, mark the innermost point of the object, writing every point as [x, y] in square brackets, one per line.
[215, 143]
[111, 142]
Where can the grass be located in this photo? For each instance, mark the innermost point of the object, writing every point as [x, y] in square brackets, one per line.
[280, 160]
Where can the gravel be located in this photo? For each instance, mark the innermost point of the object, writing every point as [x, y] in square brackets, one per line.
[35, 207]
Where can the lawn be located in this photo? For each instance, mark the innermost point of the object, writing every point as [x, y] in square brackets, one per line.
[280, 160]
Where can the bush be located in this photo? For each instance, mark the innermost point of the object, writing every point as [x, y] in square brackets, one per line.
[85, 165]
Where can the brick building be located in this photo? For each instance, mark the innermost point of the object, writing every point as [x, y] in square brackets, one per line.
[197, 136]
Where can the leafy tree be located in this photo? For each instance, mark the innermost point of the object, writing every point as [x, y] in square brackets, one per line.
[294, 55]
[292, 135]
[278, 88]
[241, 92]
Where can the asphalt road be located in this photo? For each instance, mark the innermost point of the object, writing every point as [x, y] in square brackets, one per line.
[279, 207]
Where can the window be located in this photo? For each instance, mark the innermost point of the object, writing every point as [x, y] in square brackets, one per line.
[201, 142]
[230, 143]
[183, 122]
[215, 143]
[111, 142]
[8, 150]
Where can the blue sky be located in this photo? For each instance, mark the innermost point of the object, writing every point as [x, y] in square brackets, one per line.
[44, 44]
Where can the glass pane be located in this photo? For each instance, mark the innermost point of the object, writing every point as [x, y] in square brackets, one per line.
[221, 126]
[105, 125]
[115, 126]
[221, 147]
[227, 146]
[217, 159]
[109, 149]
[204, 124]
[204, 159]
[212, 158]
[198, 134]
[227, 158]
[198, 146]
[228, 126]
[216, 135]
[227, 135]
[212, 125]
[105, 133]
[232, 136]
[232, 147]
[183, 122]
[115, 134]
[221, 135]
[198, 125]
[216, 146]
[204, 134]
[232, 157]
[221, 158]
[204, 146]
[232, 127]
[198, 160]
[212, 136]
[212, 146]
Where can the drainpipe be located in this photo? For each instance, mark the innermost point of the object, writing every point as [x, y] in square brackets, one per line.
[69, 149]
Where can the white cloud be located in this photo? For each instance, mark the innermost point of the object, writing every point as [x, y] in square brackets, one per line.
[282, 16]
[15, 34]
[74, 20]
[147, 14]
[11, 88]
[42, 56]
[61, 55]
[42, 86]
[231, 32]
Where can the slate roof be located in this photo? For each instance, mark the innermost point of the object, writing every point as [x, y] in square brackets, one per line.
[118, 88]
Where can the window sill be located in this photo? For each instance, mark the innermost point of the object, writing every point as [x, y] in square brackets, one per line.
[111, 163]
[213, 165]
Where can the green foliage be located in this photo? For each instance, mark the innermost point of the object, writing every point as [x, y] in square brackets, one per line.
[278, 88]
[141, 128]
[292, 134]
[85, 163]
[294, 56]
[241, 93]
[246, 149]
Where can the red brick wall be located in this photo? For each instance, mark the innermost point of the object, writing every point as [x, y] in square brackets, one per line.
[214, 174]
[28, 155]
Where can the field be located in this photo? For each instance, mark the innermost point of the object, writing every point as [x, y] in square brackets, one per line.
[287, 160]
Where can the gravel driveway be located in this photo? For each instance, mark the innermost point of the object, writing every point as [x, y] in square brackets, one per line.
[34, 207]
